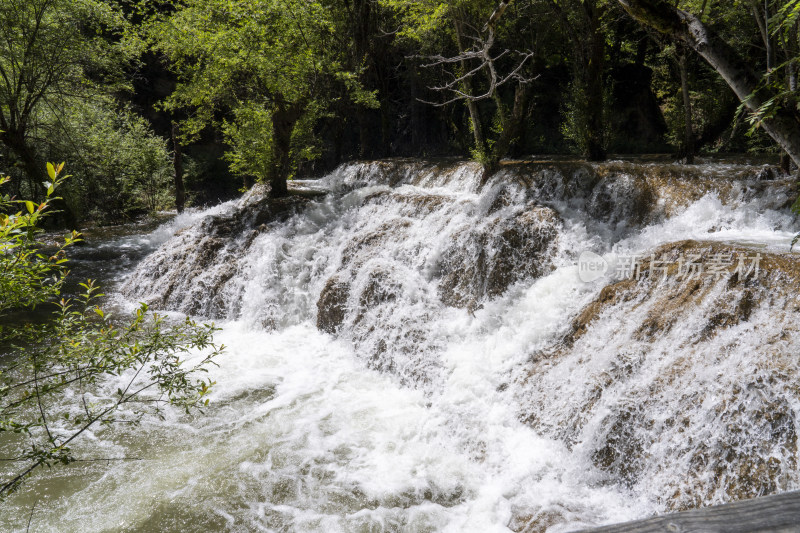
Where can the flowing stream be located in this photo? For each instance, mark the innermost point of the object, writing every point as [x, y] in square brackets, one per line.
[411, 350]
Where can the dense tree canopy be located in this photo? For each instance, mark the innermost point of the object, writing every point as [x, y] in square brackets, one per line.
[272, 66]
[775, 110]
[62, 66]
[46, 49]
[244, 91]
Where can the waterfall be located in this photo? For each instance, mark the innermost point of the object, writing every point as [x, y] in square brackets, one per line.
[413, 349]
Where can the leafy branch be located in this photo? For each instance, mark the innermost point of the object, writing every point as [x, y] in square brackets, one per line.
[82, 367]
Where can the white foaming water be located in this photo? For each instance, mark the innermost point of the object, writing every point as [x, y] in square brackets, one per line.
[409, 417]
[185, 220]
[709, 219]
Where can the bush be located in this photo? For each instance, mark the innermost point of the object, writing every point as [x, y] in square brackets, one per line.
[59, 379]
[122, 169]
[249, 135]
[577, 113]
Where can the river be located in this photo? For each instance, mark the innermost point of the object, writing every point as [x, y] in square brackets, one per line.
[411, 350]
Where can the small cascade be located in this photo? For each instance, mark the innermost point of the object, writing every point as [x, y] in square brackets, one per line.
[529, 393]
[681, 386]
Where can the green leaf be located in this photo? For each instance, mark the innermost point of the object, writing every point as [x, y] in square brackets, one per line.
[51, 171]
[29, 205]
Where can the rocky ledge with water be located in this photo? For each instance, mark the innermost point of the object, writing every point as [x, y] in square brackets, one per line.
[554, 401]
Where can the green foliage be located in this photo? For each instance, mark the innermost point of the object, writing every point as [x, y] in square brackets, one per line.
[782, 97]
[422, 21]
[51, 45]
[577, 113]
[784, 22]
[123, 168]
[708, 95]
[60, 63]
[278, 83]
[473, 64]
[480, 156]
[774, 88]
[249, 136]
[270, 64]
[79, 368]
[28, 277]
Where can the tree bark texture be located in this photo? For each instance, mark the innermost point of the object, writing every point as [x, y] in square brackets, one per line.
[284, 119]
[177, 164]
[783, 127]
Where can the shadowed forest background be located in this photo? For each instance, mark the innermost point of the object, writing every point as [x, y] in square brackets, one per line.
[159, 103]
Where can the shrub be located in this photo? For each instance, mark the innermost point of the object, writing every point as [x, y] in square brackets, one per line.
[79, 367]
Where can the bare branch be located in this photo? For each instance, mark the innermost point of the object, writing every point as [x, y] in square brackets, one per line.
[494, 80]
[460, 95]
[498, 12]
[459, 85]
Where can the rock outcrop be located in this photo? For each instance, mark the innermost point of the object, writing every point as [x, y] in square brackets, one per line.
[190, 272]
[483, 262]
[662, 357]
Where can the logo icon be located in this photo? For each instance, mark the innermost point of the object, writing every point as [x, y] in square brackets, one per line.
[591, 266]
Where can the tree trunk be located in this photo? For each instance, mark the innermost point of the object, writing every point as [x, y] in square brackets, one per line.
[596, 150]
[595, 146]
[769, 42]
[472, 107]
[284, 119]
[475, 126]
[365, 134]
[783, 127]
[177, 164]
[512, 125]
[417, 122]
[34, 170]
[359, 26]
[786, 163]
[588, 43]
[688, 130]
[641, 51]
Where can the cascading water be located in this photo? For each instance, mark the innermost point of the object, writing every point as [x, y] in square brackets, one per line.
[410, 349]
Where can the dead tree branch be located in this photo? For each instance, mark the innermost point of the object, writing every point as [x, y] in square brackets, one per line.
[486, 63]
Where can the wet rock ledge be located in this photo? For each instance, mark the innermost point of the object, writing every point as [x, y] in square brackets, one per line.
[683, 388]
[190, 272]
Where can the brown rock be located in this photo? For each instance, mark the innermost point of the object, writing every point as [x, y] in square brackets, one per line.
[332, 305]
[485, 262]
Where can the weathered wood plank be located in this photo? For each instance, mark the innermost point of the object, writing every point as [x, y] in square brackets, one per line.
[779, 513]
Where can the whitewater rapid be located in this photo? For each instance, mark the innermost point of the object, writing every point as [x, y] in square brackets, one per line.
[312, 431]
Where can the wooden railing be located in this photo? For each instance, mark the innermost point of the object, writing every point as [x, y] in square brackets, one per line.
[779, 513]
